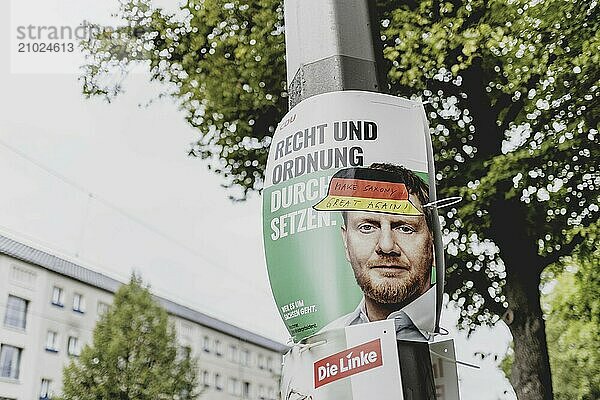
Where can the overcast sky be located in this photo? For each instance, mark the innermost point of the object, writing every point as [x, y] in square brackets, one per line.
[110, 186]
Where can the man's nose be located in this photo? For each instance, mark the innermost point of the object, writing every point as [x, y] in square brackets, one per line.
[386, 243]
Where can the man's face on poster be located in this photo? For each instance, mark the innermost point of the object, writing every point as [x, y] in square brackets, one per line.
[391, 255]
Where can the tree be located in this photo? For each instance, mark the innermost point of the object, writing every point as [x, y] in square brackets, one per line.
[573, 326]
[514, 107]
[572, 312]
[134, 354]
[511, 88]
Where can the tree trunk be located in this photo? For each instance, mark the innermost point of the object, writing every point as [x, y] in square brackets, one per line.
[530, 375]
[512, 232]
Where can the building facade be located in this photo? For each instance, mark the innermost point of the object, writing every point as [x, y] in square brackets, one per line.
[48, 310]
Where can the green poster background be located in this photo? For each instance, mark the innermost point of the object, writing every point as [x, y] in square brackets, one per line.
[312, 282]
[308, 267]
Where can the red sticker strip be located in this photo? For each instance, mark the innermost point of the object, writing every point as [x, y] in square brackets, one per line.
[368, 189]
[347, 363]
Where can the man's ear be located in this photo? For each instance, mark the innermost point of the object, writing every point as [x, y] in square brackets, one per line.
[345, 239]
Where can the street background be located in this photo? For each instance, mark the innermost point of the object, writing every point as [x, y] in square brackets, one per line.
[110, 186]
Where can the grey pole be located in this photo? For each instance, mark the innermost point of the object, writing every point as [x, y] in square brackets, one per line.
[331, 45]
[334, 45]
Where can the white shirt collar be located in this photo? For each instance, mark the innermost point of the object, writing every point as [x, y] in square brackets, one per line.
[421, 311]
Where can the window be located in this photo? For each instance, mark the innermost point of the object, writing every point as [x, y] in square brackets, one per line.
[73, 346]
[16, 312]
[10, 360]
[246, 390]
[261, 361]
[233, 353]
[51, 340]
[245, 357]
[205, 379]
[271, 393]
[232, 385]
[261, 392]
[45, 392]
[78, 303]
[186, 329]
[206, 344]
[218, 347]
[218, 382]
[58, 296]
[270, 364]
[102, 308]
[184, 352]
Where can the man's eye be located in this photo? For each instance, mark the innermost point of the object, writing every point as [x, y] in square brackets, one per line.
[366, 228]
[406, 229]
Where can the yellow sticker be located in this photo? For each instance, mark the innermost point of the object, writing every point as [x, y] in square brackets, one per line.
[343, 203]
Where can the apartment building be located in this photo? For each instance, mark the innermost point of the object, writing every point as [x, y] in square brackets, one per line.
[49, 307]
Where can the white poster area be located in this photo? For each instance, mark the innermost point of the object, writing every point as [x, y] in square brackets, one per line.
[347, 134]
[362, 362]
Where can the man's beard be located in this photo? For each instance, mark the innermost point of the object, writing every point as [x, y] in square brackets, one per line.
[393, 289]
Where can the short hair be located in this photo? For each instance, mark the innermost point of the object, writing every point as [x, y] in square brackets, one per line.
[414, 184]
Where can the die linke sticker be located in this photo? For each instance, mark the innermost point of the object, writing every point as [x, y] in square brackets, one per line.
[348, 362]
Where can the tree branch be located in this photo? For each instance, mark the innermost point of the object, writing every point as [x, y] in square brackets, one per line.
[517, 106]
[503, 101]
[435, 10]
[488, 138]
[565, 250]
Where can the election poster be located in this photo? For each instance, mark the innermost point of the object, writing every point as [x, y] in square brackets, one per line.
[365, 361]
[348, 224]
[350, 363]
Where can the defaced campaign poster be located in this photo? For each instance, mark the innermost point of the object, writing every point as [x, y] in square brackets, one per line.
[347, 224]
[354, 362]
